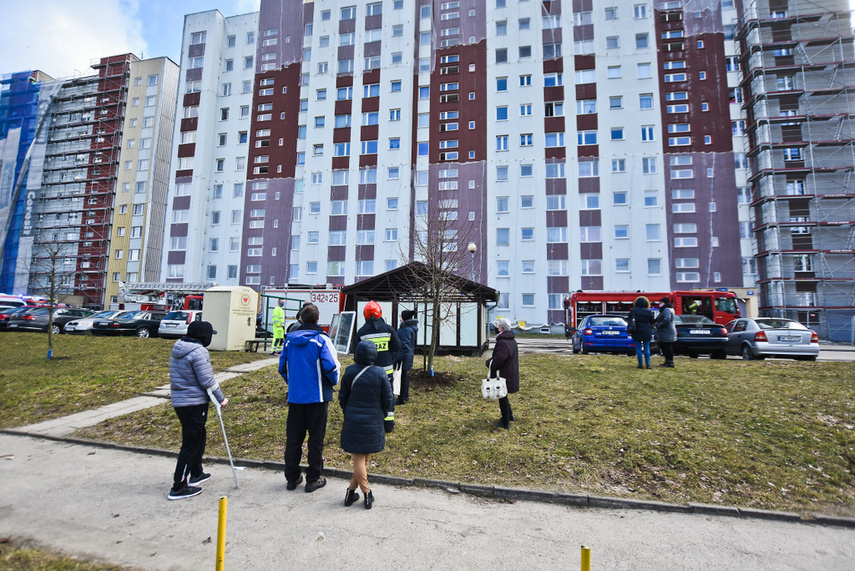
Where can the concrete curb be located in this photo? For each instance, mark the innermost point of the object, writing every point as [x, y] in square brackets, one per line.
[494, 492]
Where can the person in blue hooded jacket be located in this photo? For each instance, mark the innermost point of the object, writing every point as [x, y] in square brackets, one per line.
[310, 368]
[365, 396]
[407, 333]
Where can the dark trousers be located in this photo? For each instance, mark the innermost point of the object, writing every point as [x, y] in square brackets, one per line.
[302, 418]
[193, 438]
[405, 386]
[667, 351]
[505, 408]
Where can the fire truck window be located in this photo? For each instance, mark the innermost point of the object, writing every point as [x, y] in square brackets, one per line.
[691, 306]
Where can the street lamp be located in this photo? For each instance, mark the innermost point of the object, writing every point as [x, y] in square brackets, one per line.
[472, 249]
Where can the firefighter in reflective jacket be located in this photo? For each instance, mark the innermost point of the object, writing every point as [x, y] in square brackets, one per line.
[383, 335]
[278, 327]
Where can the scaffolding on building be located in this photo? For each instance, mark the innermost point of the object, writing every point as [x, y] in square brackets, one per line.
[798, 84]
[79, 171]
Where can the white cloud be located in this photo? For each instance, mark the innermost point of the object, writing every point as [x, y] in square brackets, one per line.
[61, 37]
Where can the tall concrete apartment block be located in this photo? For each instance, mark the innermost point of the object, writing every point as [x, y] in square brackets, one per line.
[64, 152]
[798, 60]
[205, 211]
[580, 146]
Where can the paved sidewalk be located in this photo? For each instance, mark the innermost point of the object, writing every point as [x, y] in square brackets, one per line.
[66, 425]
[110, 505]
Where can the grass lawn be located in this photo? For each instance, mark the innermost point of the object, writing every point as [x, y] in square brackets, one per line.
[24, 558]
[85, 372]
[770, 435]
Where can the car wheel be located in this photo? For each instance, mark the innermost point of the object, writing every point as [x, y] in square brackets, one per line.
[719, 355]
[575, 350]
[693, 355]
[143, 332]
[807, 358]
[747, 355]
[582, 348]
[56, 329]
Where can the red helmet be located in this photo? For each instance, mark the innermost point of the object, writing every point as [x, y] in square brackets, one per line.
[372, 309]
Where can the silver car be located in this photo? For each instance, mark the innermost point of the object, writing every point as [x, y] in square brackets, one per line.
[83, 325]
[763, 337]
[176, 322]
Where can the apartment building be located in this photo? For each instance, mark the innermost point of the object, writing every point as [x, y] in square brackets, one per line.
[64, 139]
[798, 99]
[139, 208]
[576, 146]
[205, 210]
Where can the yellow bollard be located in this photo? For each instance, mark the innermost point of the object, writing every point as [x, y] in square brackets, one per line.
[586, 558]
[221, 533]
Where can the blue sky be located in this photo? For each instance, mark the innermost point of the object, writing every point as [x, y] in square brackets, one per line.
[60, 37]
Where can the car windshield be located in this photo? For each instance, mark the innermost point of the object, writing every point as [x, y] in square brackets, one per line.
[693, 319]
[607, 321]
[130, 315]
[177, 315]
[101, 314]
[779, 324]
[727, 305]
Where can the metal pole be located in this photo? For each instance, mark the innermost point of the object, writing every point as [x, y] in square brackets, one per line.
[221, 533]
[586, 558]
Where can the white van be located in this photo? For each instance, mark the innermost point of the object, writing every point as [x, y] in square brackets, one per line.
[11, 301]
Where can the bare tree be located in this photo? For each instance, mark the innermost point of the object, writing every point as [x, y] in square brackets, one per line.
[439, 241]
[48, 277]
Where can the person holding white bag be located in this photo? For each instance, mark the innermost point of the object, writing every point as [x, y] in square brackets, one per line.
[506, 363]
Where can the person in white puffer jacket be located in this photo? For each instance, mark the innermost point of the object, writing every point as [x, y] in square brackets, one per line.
[191, 375]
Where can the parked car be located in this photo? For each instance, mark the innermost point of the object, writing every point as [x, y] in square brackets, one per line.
[602, 333]
[763, 337]
[141, 323]
[83, 326]
[176, 322]
[7, 314]
[700, 335]
[38, 319]
[12, 301]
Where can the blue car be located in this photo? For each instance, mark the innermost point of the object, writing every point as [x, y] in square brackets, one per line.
[605, 333]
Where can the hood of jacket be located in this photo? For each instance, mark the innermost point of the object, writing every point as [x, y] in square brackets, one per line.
[301, 337]
[365, 353]
[414, 323]
[505, 335]
[184, 346]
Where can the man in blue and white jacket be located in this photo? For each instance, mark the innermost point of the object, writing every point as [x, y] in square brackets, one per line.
[310, 367]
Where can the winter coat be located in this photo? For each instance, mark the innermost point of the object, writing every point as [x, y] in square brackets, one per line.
[364, 402]
[666, 331]
[407, 334]
[506, 360]
[643, 323]
[191, 374]
[384, 337]
[309, 365]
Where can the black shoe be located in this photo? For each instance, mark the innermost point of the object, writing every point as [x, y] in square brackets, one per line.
[201, 479]
[512, 418]
[400, 401]
[640, 367]
[185, 492]
[648, 366]
[350, 497]
[500, 424]
[669, 364]
[292, 484]
[369, 499]
[312, 486]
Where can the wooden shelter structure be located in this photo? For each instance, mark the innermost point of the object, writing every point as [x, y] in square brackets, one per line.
[463, 311]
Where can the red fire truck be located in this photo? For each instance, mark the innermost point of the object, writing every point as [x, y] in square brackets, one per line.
[718, 305]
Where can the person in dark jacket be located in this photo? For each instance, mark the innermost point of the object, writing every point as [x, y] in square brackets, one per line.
[643, 316]
[407, 333]
[190, 377]
[506, 363]
[365, 397]
[310, 367]
[666, 331]
[384, 337]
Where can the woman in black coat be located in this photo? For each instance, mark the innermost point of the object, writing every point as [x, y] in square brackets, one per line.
[643, 334]
[506, 362]
[365, 397]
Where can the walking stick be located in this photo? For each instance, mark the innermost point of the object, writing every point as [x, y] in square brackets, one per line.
[225, 438]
